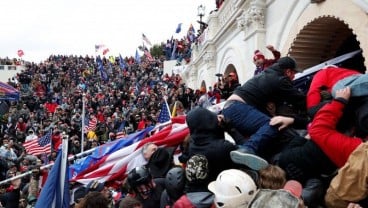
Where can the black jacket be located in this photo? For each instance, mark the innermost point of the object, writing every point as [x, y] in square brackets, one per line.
[10, 199]
[208, 139]
[270, 86]
[302, 159]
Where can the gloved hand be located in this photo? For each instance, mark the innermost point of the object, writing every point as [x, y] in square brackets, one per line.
[325, 95]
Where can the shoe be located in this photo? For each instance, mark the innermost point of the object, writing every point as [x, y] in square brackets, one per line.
[252, 161]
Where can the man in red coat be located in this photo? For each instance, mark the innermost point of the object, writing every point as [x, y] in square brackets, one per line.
[324, 80]
[348, 152]
[336, 145]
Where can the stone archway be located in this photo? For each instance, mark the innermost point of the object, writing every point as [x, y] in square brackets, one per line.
[230, 70]
[324, 38]
[329, 29]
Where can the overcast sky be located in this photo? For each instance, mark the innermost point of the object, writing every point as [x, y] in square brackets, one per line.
[44, 27]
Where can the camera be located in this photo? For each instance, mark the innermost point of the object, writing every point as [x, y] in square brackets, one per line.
[218, 75]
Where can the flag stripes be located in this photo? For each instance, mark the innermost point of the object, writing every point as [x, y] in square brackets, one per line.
[39, 145]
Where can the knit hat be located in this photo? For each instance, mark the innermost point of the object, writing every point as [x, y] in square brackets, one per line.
[258, 55]
[196, 170]
[294, 187]
[287, 63]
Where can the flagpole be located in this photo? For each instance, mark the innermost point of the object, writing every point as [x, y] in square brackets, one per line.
[63, 168]
[173, 112]
[71, 158]
[83, 118]
[74, 157]
[167, 105]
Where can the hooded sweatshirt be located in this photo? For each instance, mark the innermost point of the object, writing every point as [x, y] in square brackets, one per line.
[208, 139]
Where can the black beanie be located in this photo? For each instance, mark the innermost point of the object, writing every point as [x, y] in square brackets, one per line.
[287, 63]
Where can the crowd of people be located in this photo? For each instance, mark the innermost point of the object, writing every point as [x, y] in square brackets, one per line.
[52, 94]
[286, 148]
[8, 61]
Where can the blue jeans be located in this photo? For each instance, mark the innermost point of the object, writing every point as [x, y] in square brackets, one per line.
[250, 121]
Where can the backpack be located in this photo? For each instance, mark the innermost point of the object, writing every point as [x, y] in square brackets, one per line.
[183, 202]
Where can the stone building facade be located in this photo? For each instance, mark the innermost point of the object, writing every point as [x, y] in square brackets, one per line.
[310, 31]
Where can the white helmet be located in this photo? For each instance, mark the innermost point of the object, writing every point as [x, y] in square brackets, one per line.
[233, 189]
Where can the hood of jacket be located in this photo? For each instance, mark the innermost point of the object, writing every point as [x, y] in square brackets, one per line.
[203, 123]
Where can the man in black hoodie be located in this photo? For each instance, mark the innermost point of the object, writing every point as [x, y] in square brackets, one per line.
[207, 137]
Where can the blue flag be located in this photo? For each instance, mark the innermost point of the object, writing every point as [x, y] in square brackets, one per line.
[101, 69]
[137, 57]
[121, 62]
[191, 34]
[122, 126]
[173, 54]
[55, 192]
[178, 29]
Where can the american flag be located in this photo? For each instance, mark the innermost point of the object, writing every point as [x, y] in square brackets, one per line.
[115, 166]
[120, 134]
[105, 51]
[144, 37]
[92, 123]
[148, 55]
[39, 146]
[165, 114]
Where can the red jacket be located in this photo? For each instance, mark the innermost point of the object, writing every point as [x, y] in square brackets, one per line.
[56, 141]
[337, 146]
[141, 125]
[100, 117]
[51, 107]
[326, 77]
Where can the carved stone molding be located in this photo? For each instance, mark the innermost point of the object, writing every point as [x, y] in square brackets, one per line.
[241, 22]
[253, 16]
[208, 56]
[237, 3]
